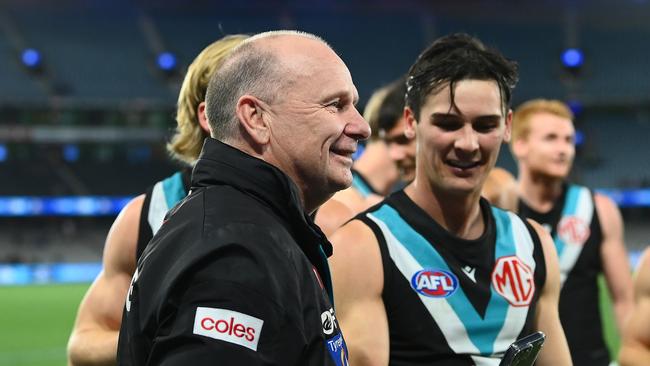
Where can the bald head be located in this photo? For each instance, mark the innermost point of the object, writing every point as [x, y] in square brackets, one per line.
[264, 66]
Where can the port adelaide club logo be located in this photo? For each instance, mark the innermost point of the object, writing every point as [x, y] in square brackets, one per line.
[434, 282]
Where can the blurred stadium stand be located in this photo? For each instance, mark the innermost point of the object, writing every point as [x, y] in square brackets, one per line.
[100, 95]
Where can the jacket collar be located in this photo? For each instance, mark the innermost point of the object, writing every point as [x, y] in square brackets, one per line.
[222, 164]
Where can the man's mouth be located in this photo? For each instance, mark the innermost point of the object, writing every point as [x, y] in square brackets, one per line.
[463, 165]
[343, 152]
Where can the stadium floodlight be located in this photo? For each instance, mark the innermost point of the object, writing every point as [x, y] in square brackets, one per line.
[572, 58]
[167, 61]
[31, 58]
[579, 138]
[576, 107]
[71, 153]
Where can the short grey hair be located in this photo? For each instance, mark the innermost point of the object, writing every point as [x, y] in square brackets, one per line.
[249, 69]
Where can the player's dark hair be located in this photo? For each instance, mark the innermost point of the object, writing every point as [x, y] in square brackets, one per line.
[457, 57]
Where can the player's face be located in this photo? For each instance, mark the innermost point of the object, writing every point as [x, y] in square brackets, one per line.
[401, 149]
[458, 145]
[549, 148]
[319, 124]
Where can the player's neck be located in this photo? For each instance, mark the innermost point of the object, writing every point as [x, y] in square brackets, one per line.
[538, 191]
[459, 214]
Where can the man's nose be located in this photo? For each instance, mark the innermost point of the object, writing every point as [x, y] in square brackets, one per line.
[357, 126]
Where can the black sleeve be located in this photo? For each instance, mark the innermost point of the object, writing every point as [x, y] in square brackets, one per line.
[219, 320]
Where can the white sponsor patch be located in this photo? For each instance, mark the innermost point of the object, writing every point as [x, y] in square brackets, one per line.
[228, 326]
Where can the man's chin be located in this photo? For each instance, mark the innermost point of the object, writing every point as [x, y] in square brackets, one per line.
[340, 182]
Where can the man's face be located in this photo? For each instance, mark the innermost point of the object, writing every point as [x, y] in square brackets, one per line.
[401, 150]
[457, 147]
[315, 125]
[549, 148]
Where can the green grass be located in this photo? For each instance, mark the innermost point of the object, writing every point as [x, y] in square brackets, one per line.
[612, 338]
[35, 322]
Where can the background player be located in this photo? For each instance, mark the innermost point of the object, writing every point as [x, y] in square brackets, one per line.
[94, 336]
[587, 228]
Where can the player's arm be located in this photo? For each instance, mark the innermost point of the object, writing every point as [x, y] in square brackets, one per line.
[500, 189]
[635, 348]
[94, 336]
[352, 199]
[614, 256]
[332, 215]
[357, 276]
[547, 319]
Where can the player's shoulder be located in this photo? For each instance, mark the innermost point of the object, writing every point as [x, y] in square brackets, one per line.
[122, 238]
[604, 202]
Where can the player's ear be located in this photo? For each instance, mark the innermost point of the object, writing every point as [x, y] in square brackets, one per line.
[411, 123]
[508, 127]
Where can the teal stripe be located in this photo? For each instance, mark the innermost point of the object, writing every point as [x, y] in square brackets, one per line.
[505, 236]
[570, 206]
[482, 332]
[360, 185]
[174, 189]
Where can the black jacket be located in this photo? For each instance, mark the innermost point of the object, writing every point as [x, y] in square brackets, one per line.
[237, 275]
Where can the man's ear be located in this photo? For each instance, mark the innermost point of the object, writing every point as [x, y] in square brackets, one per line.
[203, 119]
[251, 118]
[411, 123]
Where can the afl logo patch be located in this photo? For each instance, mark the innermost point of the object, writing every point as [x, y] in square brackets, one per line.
[513, 280]
[573, 230]
[434, 283]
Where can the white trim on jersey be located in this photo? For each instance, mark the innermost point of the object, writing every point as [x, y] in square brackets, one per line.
[157, 207]
[571, 251]
[443, 314]
[516, 316]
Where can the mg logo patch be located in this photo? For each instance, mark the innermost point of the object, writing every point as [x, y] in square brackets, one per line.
[513, 280]
[573, 230]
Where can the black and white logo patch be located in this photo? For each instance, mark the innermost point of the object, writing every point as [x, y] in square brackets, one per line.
[329, 321]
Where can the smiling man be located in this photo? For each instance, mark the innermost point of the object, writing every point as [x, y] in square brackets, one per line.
[587, 228]
[434, 275]
[237, 275]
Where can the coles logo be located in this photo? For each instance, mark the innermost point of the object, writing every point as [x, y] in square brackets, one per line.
[573, 230]
[229, 326]
[513, 280]
[434, 282]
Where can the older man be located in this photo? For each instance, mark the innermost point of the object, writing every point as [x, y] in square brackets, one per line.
[238, 274]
